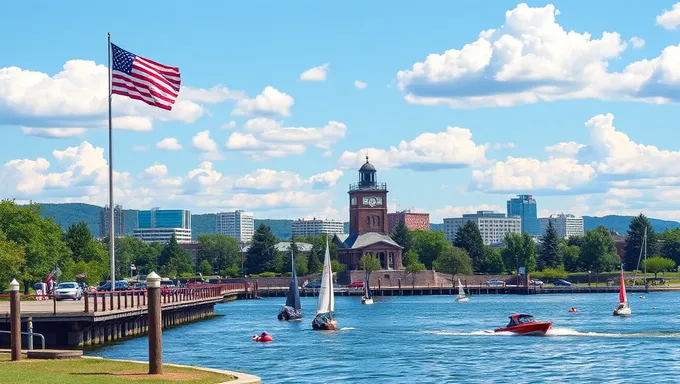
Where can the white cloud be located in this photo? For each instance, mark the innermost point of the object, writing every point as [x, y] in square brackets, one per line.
[270, 102]
[203, 142]
[504, 145]
[565, 149]
[57, 133]
[670, 19]
[262, 124]
[360, 84]
[268, 180]
[450, 211]
[453, 148]
[326, 179]
[327, 154]
[156, 170]
[216, 94]
[229, 125]
[169, 144]
[321, 137]
[315, 74]
[286, 200]
[259, 150]
[637, 42]
[532, 58]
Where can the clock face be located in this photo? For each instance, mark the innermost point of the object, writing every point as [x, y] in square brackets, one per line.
[372, 201]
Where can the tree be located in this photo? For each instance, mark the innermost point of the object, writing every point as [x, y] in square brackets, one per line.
[636, 233]
[413, 265]
[519, 251]
[598, 253]
[205, 268]
[337, 266]
[319, 246]
[493, 261]
[78, 238]
[658, 264]
[428, 245]
[174, 260]
[314, 265]
[221, 251]
[454, 261]
[570, 255]
[670, 244]
[576, 240]
[549, 256]
[369, 263]
[261, 252]
[469, 238]
[301, 264]
[12, 260]
[402, 236]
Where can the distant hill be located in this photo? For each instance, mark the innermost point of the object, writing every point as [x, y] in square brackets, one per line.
[620, 223]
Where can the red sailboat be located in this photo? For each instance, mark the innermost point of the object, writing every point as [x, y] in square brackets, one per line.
[623, 309]
[526, 325]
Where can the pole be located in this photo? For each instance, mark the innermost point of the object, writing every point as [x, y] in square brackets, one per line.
[112, 225]
[644, 243]
[29, 327]
[153, 285]
[15, 320]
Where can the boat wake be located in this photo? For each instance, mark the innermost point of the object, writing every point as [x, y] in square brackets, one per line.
[346, 329]
[560, 332]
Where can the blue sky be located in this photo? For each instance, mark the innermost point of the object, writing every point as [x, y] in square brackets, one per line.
[520, 97]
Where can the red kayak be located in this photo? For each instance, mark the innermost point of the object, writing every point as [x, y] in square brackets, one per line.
[526, 325]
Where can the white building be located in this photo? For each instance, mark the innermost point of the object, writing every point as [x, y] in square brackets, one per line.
[162, 235]
[493, 226]
[314, 227]
[565, 225]
[238, 224]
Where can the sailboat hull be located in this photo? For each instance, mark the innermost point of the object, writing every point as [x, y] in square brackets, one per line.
[625, 311]
[367, 301]
[327, 326]
[462, 299]
[285, 315]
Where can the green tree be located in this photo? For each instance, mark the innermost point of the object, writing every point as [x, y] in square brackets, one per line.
[260, 255]
[551, 273]
[221, 251]
[428, 245]
[337, 266]
[493, 261]
[598, 252]
[636, 233]
[658, 264]
[549, 255]
[469, 238]
[409, 258]
[369, 263]
[78, 238]
[402, 236]
[319, 246]
[301, 264]
[174, 260]
[571, 255]
[670, 244]
[314, 265]
[413, 265]
[40, 237]
[519, 251]
[576, 240]
[454, 261]
[12, 260]
[205, 268]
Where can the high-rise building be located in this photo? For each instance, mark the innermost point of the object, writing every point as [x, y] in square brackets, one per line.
[565, 225]
[492, 226]
[314, 227]
[414, 221]
[238, 224]
[118, 221]
[158, 225]
[524, 206]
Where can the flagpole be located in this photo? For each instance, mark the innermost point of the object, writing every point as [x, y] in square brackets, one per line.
[112, 209]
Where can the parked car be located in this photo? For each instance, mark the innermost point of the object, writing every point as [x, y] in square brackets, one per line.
[356, 284]
[120, 286]
[168, 283]
[313, 284]
[536, 282]
[495, 282]
[561, 282]
[69, 290]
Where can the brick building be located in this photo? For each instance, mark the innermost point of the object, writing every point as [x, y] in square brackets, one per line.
[414, 221]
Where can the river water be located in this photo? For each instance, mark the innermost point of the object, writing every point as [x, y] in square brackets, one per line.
[434, 339]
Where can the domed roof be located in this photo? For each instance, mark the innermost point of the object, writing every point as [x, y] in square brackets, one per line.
[367, 167]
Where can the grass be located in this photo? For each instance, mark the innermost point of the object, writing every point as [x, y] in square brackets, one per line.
[97, 371]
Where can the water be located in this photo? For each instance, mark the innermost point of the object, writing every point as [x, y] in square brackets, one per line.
[433, 339]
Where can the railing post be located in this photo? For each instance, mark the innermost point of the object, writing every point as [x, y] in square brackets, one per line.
[153, 285]
[15, 320]
[29, 329]
[118, 294]
[87, 302]
[126, 299]
[104, 302]
[113, 290]
[96, 304]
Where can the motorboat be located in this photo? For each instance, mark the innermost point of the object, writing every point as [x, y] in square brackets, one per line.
[524, 324]
[292, 310]
[324, 319]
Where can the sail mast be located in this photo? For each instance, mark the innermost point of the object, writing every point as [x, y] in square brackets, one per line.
[644, 244]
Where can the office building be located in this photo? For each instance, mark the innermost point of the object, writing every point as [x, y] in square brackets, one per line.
[524, 206]
[492, 226]
[158, 225]
[414, 221]
[118, 220]
[565, 225]
[238, 224]
[314, 227]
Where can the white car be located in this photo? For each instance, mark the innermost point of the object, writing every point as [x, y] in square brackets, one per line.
[69, 290]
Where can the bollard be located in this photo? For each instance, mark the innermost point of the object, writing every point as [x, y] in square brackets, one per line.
[153, 285]
[15, 320]
[29, 326]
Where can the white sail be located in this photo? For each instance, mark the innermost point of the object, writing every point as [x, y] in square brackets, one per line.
[326, 297]
[461, 292]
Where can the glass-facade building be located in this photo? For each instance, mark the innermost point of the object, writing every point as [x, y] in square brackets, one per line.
[164, 218]
[524, 206]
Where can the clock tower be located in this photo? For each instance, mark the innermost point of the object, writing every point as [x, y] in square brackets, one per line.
[367, 203]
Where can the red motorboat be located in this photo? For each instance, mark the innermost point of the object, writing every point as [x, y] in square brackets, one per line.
[526, 325]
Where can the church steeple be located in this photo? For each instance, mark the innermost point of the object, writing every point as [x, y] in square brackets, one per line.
[367, 175]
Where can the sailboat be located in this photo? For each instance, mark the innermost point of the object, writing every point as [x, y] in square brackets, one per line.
[292, 310]
[623, 309]
[324, 311]
[461, 293]
[367, 298]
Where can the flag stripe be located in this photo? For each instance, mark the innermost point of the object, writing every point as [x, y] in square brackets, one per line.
[169, 74]
[153, 76]
[137, 97]
[138, 87]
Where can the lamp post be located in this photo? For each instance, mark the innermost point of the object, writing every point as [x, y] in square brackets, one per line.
[589, 275]
[153, 285]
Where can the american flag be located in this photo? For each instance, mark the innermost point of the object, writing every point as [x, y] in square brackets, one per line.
[142, 79]
[49, 276]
